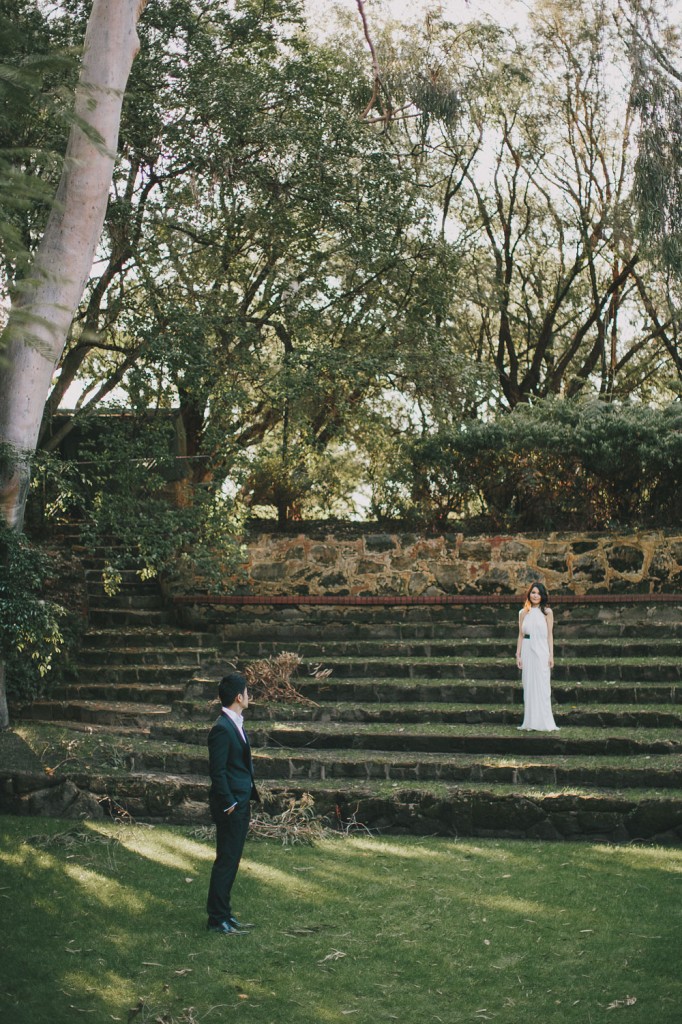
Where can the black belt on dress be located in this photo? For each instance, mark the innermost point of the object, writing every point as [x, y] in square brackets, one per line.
[526, 636]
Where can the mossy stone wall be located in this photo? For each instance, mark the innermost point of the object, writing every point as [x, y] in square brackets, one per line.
[368, 562]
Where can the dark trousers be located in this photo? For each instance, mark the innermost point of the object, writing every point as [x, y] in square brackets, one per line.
[231, 832]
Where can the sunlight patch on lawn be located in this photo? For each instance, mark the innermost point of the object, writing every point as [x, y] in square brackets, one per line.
[171, 849]
[106, 985]
[643, 857]
[106, 890]
[281, 880]
[377, 847]
[514, 905]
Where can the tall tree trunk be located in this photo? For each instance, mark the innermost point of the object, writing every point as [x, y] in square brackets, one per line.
[44, 306]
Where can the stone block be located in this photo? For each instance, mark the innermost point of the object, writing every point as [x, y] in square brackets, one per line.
[54, 801]
[450, 576]
[85, 806]
[514, 551]
[661, 565]
[514, 815]
[268, 572]
[496, 581]
[324, 554]
[366, 567]
[581, 547]
[544, 830]
[553, 556]
[589, 567]
[651, 818]
[333, 579]
[417, 582]
[476, 549]
[676, 550]
[380, 542]
[526, 575]
[625, 558]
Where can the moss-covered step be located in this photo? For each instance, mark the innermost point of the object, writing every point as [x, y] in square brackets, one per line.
[613, 647]
[149, 693]
[128, 637]
[440, 738]
[136, 673]
[100, 712]
[162, 654]
[472, 810]
[652, 669]
[654, 716]
[103, 617]
[488, 691]
[92, 750]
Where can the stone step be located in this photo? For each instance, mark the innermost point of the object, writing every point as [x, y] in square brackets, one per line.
[569, 669]
[101, 617]
[127, 693]
[342, 767]
[663, 716]
[134, 600]
[635, 771]
[145, 636]
[146, 674]
[487, 691]
[610, 648]
[624, 716]
[632, 773]
[101, 712]
[165, 654]
[142, 752]
[319, 618]
[256, 632]
[440, 738]
[478, 810]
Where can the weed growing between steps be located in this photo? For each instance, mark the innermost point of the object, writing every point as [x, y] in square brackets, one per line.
[365, 929]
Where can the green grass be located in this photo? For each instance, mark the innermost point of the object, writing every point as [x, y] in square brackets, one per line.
[360, 929]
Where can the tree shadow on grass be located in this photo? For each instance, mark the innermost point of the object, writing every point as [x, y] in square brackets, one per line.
[106, 922]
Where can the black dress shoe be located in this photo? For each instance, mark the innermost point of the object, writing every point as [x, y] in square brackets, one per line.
[238, 924]
[224, 928]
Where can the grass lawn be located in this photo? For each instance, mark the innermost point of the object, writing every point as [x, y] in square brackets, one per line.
[106, 923]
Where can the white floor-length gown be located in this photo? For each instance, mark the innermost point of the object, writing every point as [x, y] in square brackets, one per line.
[535, 674]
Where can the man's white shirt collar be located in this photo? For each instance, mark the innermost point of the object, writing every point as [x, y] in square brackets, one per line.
[237, 719]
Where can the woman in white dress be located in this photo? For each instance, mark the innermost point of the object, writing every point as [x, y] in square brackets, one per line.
[535, 658]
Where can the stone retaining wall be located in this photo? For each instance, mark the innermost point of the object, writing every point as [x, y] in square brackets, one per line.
[383, 563]
[174, 800]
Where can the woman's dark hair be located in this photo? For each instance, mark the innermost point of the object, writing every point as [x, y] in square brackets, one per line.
[544, 596]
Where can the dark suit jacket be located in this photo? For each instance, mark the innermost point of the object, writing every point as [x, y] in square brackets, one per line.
[230, 767]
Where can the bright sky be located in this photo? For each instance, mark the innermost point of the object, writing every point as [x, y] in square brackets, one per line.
[505, 12]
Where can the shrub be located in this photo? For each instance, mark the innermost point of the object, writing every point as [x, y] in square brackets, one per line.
[30, 626]
[555, 464]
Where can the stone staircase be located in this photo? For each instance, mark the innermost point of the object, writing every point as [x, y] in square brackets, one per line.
[415, 727]
[134, 663]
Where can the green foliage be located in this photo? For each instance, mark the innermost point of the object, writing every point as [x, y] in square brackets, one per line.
[37, 72]
[30, 626]
[557, 463]
[138, 507]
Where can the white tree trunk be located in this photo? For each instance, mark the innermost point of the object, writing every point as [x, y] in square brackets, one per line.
[41, 315]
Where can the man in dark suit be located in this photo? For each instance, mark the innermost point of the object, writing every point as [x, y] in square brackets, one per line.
[232, 787]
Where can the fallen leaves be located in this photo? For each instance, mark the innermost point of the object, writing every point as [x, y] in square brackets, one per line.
[618, 1003]
[335, 954]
